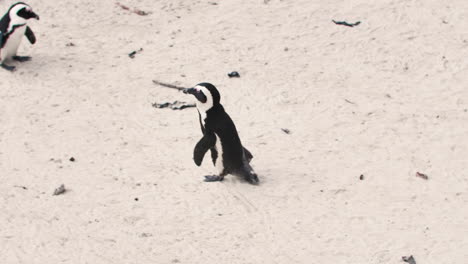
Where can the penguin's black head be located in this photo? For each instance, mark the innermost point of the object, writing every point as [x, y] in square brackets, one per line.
[23, 11]
[206, 94]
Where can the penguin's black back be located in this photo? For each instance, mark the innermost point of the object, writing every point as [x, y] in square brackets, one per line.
[4, 22]
[219, 122]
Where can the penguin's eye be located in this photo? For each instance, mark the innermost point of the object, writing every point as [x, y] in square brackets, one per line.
[23, 11]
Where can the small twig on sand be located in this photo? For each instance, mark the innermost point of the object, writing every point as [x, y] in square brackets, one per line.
[422, 175]
[136, 11]
[168, 85]
[176, 105]
[344, 23]
[124, 7]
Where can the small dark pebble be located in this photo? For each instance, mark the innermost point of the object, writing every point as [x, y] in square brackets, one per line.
[234, 74]
[72, 159]
[70, 44]
[422, 175]
[361, 177]
[133, 53]
[136, 199]
[409, 260]
[60, 190]
[146, 235]
[141, 12]
[285, 130]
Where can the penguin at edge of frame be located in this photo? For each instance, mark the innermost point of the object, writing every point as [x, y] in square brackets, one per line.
[13, 25]
[220, 137]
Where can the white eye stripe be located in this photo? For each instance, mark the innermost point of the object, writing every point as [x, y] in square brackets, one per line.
[200, 89]
[203, 107]
[17, 8]
[15, 19]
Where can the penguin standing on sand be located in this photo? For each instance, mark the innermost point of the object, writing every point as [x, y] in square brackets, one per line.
[12, 28]
[220, 136]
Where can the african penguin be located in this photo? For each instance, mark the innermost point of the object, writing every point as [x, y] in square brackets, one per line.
[12, 28]
[220, 136]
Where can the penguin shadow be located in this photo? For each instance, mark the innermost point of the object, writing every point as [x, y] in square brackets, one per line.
[239, 181]
[236, 192]
[31, 66]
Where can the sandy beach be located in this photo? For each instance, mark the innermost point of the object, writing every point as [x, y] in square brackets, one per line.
[385, 99]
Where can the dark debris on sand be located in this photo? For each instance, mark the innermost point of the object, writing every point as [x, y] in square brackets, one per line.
[409, 260]
[344, 23]
[60, 190]
[176, 105]
[234, 74]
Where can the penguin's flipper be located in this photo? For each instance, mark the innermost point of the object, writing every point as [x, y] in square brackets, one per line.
[1, 39]
[248, 155]
[205, 143]
[30, 35]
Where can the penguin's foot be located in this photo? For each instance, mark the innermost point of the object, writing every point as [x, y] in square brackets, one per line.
[22, 58]
[252, 179]
[7, 67]
[213, 178]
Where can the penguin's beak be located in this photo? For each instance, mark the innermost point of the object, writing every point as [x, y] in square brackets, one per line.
[197, 93]
[34, 15]
[189, 91]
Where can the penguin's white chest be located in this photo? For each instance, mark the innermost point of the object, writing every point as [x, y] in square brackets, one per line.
[203, 117]
[219, 161]
[12, 43]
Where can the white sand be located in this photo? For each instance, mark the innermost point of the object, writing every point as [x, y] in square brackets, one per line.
[404, 69]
